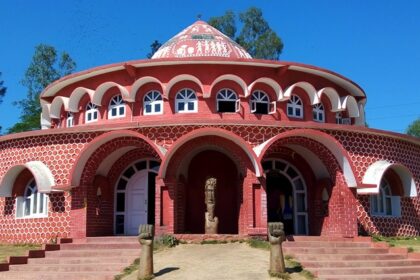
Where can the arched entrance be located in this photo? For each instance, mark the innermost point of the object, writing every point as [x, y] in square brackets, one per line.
[212, 163]
[286, 196]
[135, 197]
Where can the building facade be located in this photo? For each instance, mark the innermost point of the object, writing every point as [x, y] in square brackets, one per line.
[133, 142]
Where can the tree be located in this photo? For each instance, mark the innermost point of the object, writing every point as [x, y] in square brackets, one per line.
[154, 48]
[256, 36]
[414, 128]
[2, 93]
[45, 68]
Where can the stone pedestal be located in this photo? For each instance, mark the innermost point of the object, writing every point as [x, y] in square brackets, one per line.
[146, 233]
[276, 236]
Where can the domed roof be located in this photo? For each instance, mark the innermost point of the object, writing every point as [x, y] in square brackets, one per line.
[201, 40]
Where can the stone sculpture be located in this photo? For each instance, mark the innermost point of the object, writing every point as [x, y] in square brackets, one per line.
[276, 236]
[210, 200]
[146, 233]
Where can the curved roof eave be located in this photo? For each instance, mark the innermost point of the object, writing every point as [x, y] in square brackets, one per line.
[344, 82]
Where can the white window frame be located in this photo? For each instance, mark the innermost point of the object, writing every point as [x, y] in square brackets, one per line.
[295, 103]
[70, 119]
[228, 95]
[152, 99]
[36, 202]
[317, 112]
[186, 96]
[91, 111]
[384, 204]
[261, 97]
[115, 105]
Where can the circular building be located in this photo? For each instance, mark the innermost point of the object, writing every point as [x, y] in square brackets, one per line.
[134, 142]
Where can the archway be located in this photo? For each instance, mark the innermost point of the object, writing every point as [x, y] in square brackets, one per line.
[212, 163]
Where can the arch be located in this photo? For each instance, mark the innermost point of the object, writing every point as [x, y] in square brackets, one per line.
[211, 132]
[87, 152]
[307, 87]
[45, 115]
[333, 96]
[42, 174]
[76, 96]
[139, 83]
[230, 77]
[327, 140]
[349, 103]
[103, 88]
[55, 109]
[179, 78]
[361, 119]
[270, 82]
[376, 171]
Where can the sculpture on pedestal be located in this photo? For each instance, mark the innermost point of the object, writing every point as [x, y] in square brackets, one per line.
[211, 222]
[276, 236]
[146, 233]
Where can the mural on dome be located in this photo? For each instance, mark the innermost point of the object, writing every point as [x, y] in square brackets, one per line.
[201, 40]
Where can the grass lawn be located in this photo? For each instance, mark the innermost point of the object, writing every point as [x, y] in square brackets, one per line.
[412, 243]
[15, 250]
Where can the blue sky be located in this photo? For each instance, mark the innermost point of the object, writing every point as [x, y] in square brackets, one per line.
[374, 43]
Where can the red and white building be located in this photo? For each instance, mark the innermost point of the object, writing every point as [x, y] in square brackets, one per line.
[133, 143]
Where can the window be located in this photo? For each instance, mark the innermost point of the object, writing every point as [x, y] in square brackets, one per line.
[116, 107]
[384, 203]
[91, 113]
[227, 101]
[318, 112]
[186, 101]
[153, 103]
[295, 107]
[70, 119]
[32, 203]
[260, 103]
[338, 118]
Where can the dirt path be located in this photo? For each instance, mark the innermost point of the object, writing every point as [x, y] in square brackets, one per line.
[208, 262]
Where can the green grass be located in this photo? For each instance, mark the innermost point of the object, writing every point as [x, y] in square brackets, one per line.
[412, 243]
[128, 270]
[259, 244]
[7, 250]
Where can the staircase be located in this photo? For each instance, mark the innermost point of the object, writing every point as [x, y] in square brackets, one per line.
[90, 258]
[347, 258]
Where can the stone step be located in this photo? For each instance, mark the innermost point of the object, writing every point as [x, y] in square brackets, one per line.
[69, 267]
[407, 276]
[335, 244]
[107, 239]
[307, 250]
[85, 260]
[93, 253]
[99, 246]
[365, 263]
[347, 257]
[365, 270]
[298, 238]
[19, 275]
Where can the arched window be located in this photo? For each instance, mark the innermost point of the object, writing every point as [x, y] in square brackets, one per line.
[116, 108]
[227, 101]
[295, 107]
[70, 119]
[186, 101]
[91, 113]
[260, 103]
[153, 103]
[384, 203]
[318, 112]
[32, 203]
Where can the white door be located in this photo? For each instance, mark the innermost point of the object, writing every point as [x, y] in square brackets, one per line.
[136, 201]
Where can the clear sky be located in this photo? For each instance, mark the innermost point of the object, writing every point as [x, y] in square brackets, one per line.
[374, 43]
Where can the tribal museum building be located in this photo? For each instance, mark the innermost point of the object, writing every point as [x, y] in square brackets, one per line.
[134, 142]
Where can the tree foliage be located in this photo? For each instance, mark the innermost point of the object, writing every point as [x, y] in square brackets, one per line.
[154, 48]
[255, 36]
[414, 128]
[46, 67]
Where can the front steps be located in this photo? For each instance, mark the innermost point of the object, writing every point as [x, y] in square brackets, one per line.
[347, 258]
[90, 258]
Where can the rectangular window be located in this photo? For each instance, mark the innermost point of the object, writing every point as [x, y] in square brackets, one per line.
[190, 106]
[148, 108]
[119, 224]
[114, 112]
[181, 106]
[121, 111]
[290, 111]
[120, 202]
[157, 108]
